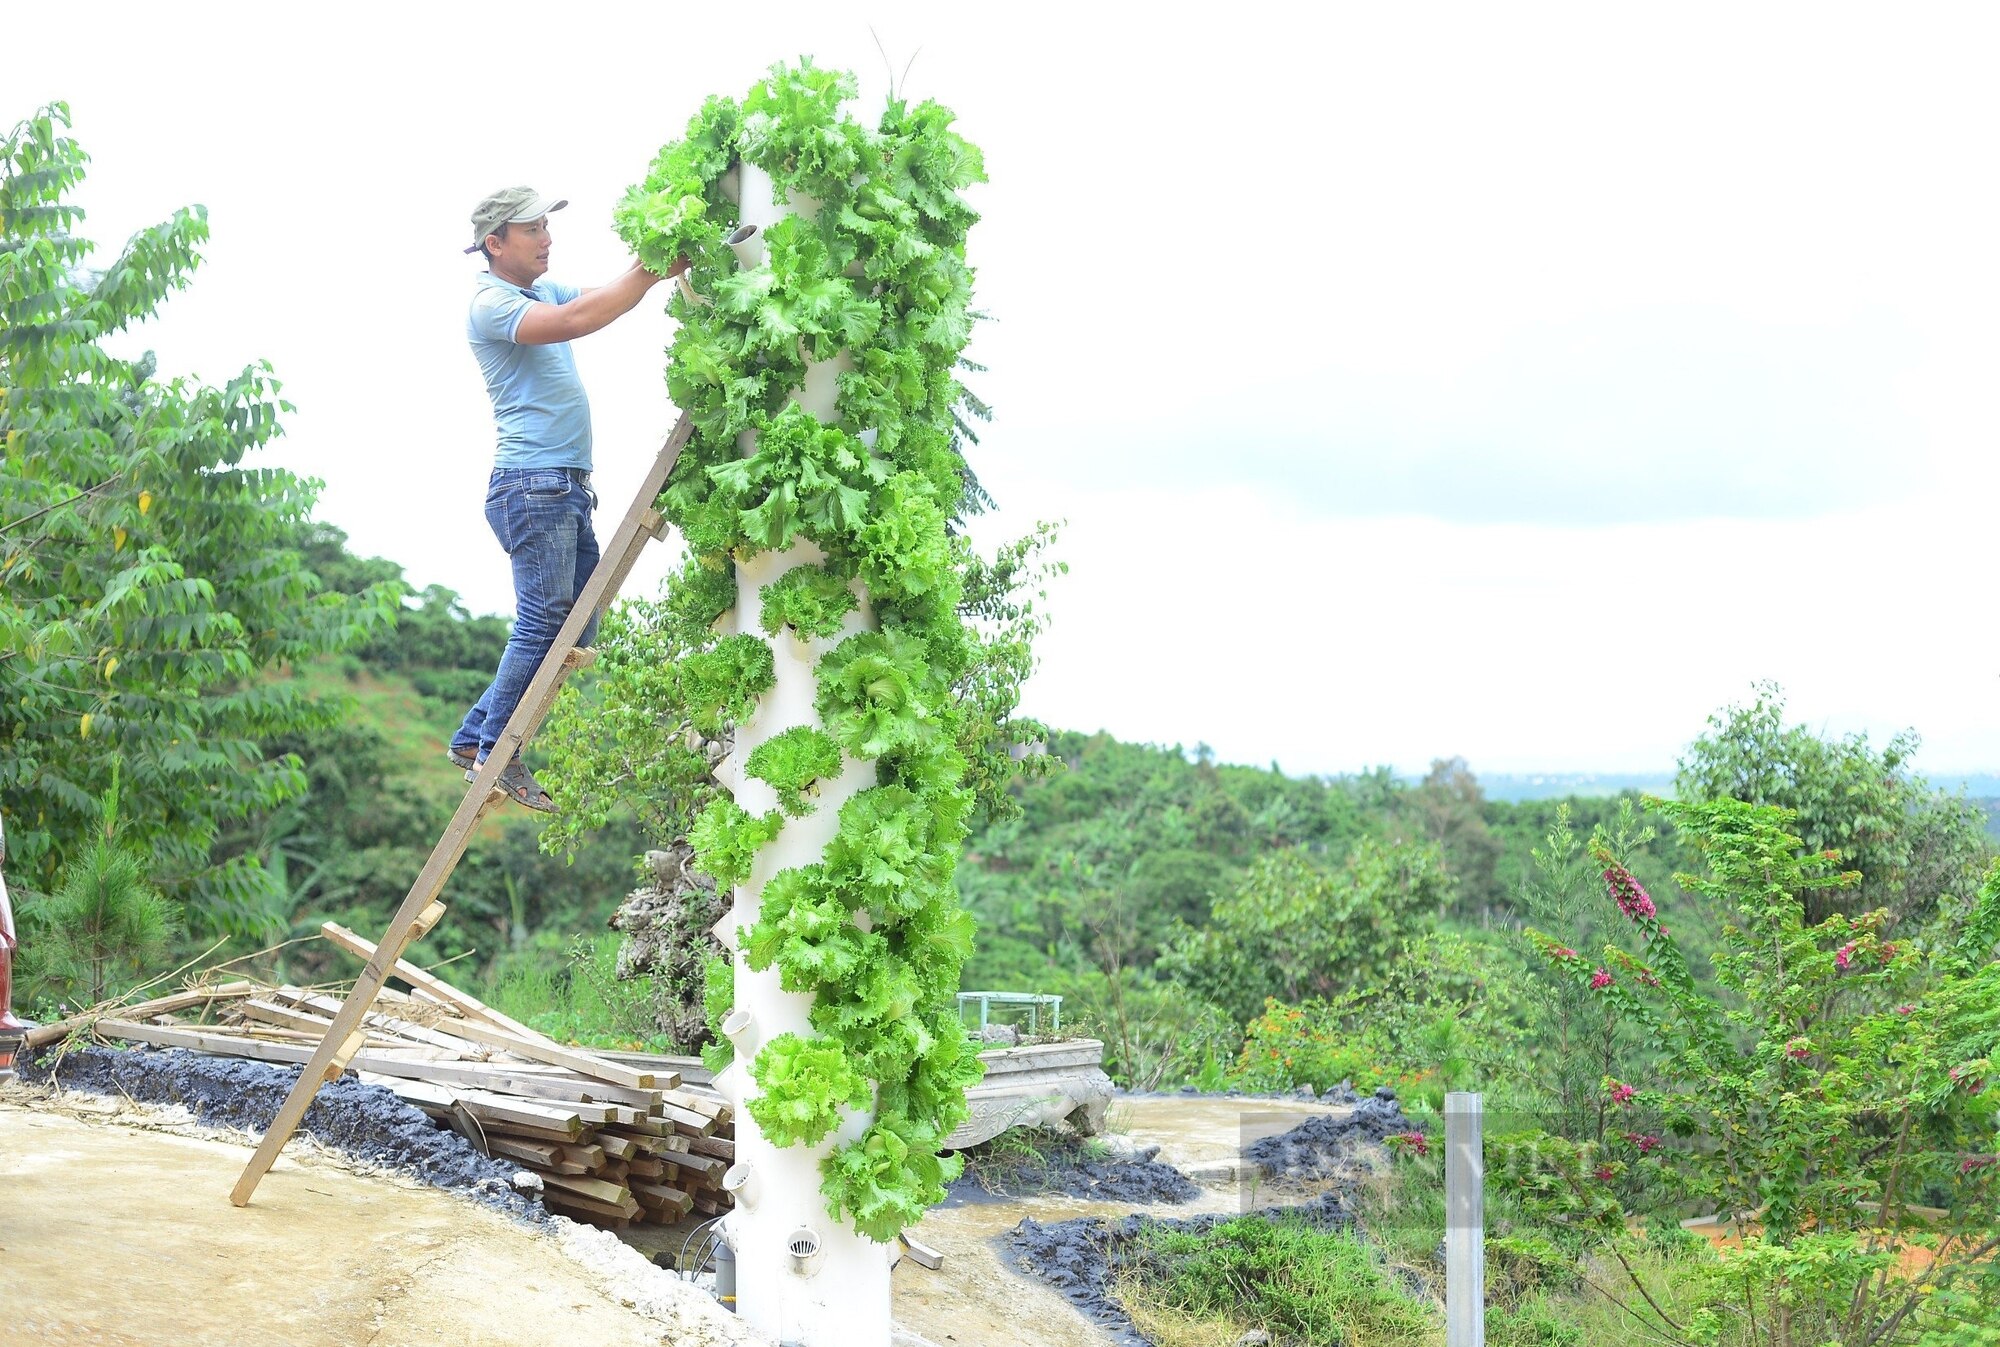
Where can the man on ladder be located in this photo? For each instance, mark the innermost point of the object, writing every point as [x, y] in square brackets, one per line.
[539, 499]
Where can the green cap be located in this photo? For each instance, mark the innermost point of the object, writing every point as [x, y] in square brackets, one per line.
[512, 205]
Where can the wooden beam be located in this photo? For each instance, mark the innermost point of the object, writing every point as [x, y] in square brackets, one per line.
[57, 1030]
[567, 1203]
[541, 1153]
[435, 987]
[288, 1016]
[541, 1050]
[660, 1197]
[722, 1148]
[329, 1006]
[922, 1254]
[532, 1133]
[588, 1154]
[597, 1190]
[617, 1147]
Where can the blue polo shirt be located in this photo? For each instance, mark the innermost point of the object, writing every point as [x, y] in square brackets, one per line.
[540, 414]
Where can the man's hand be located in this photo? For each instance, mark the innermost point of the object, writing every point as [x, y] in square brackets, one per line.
[680, 265]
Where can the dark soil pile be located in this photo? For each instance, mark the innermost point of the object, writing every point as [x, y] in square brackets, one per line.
[1323, 1147]
[1081, 1257]
[366, 1121]
[1054, 1162]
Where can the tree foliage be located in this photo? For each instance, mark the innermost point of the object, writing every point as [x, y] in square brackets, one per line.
[150, 582]
[1293, 930]
[1916, 847]
[103, 925]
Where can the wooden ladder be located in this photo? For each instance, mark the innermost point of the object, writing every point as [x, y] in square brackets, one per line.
[421, 909]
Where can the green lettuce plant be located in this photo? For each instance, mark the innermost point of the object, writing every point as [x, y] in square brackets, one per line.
[793, 763]
[811, 600]
[806, 1082]
[725, 838]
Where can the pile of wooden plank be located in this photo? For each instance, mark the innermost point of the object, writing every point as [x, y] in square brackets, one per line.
[613, 1143]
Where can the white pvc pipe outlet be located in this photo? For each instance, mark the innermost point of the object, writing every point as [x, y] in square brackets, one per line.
[804, 1245]
[741, 1184]
[748, 245]
[736, 1027]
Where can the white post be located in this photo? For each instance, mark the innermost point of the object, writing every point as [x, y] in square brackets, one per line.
[1464, 1222]
[802, 1276]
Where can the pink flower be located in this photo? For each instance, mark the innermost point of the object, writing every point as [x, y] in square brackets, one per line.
[1605, 1173]
[1798, 1049]
[1600, 980]
[1645, 1141]
[1630, 895]
[1906, 1009]
[1621, 1093]
[1844, 956]
[1972, 1162]
[1416, 1141]
[1886, 952]
[1562, 952]
[1647, 976]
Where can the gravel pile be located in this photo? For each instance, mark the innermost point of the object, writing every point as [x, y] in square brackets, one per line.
[1063, 1164]
[1323, 1147]
[365, 1121]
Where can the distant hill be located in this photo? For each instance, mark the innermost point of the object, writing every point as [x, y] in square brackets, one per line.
[1515, 788]
[1978, 786]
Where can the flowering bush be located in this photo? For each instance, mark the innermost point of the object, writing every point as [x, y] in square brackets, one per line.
[1838, 1083]
[1309, 1044]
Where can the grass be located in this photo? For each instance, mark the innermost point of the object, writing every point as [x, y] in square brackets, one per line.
[1025, 1160]
[1296, 1281]
[582, 1001]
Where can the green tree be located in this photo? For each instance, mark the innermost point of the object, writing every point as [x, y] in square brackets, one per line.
[1292, 930]
[1450, 808]
[150, 582]
[1916, 847]
[103, 925]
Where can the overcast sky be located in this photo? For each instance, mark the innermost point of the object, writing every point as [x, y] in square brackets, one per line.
[1508, 381]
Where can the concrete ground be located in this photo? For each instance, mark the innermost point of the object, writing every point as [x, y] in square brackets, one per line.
[122, 1236]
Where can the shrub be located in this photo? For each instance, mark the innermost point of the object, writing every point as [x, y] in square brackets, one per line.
[1839, 1081]
[1312, 1044]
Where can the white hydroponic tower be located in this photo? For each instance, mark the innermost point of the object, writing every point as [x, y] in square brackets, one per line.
[801, 1276]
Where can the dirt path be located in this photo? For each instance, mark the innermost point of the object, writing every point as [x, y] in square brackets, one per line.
[978, 1300]
[119, 1237]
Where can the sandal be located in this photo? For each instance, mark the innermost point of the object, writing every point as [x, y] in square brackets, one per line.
[523, 789]
[463, 757]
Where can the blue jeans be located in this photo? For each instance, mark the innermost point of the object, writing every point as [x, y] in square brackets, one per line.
[542, 518]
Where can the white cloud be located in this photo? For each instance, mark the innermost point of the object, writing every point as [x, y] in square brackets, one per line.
[1422, 263]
